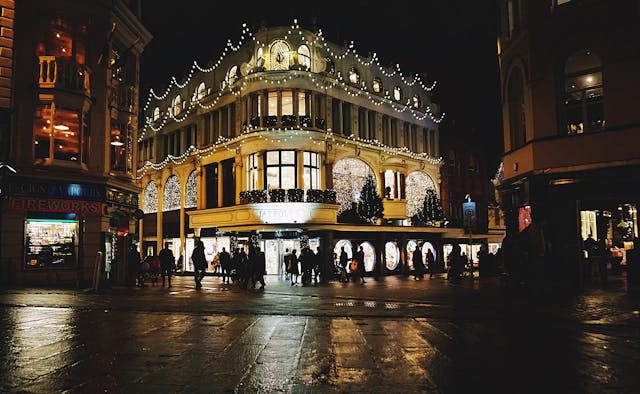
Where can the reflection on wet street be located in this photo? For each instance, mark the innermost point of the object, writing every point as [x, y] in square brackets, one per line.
[131, 341]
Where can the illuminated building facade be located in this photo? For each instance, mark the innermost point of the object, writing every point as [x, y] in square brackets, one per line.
[571, 126]
[70, 76]
[273, 143]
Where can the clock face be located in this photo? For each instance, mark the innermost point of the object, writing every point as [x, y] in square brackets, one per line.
[280, 56]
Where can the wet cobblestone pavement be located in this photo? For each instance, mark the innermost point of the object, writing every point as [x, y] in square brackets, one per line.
[393, 335]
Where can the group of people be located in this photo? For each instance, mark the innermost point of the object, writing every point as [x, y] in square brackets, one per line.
[151, 268]
[356, 265]
[245, 269]
[307, 265]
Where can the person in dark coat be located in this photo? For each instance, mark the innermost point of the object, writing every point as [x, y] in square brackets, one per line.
[133, 265]
[358, 274]
[225, 263]
[431, 263]
[199, 263]
[293, 267]
[344, 260]
[260, 267]
[167, 260]
[418, 264]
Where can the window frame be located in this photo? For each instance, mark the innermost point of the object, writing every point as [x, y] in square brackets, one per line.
[280, 166]
[313, 170]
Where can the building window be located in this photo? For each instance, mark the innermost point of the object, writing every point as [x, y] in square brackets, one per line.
[415, 101]
[232, 76]
[272, 104]
[51, 243]
[58, 133]
[150, 202]
[191, 191]
[311, 173]
[377, 85]
[171, 194]
[583, 93]
[354, 76]
[515, 96]
[252, 171]
[177, 106]
[287, 102]
[304, 56]
[120, 146]
[349, 176]
[202, 91]
[156, 114]
[397, 93]
[302, 104]
[280, 169]
[416, 190]
[279, 56]
[260, 58]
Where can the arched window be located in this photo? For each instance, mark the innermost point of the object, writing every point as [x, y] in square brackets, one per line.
[415, 101]
[191, 191]
[354, 76]
[202, 91]
[279, 55]
[232, 75]
[377, 85]
[417, 185]
[515, 97]
[150, 198]
[583, 107]
[349, 176]
[304, 56]
[156, 114]
[171, 194]
[177, 105]
[397, 93]
[260, 57]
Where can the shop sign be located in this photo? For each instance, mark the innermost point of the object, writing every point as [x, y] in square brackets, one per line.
[280, 213]
[36, 204]
[122, 197]
[73, 191]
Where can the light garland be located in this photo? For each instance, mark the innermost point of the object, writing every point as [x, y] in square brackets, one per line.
[349, 176]
[317, 41]
[150, 198]
[417, 184]
[191, 191]
[171, 194]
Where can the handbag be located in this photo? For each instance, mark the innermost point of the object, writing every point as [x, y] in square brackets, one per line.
[354, 265]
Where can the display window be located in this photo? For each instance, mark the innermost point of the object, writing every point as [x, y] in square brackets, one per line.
[425, 248]
[51, 243]
[338, 249]
[369, 256]
[391, 255]
[411, 246]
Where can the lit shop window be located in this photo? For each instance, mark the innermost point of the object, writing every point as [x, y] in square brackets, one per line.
[354, 76]
[58, 133]
[583, 93]
[369, 256]
[272, 104]
[252, 171]
[51, 243]
[391, 255]
[304, 56]
[287, 102]
[377, 85]
[280, 169]
[311, 170]
[302, 104]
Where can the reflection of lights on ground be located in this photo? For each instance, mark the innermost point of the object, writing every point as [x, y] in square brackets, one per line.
[349, 304]
[370, 304]
[391, 305]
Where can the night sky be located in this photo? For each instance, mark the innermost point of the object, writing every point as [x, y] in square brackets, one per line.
[452, 41]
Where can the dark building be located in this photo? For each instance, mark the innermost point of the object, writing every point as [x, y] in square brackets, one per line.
[571, 127]
[69, 76]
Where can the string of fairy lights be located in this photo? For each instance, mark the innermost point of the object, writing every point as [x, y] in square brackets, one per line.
[321, 138]
[318, 40]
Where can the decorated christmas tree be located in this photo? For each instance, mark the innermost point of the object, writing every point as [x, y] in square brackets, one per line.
[370, 207]
[431, 208]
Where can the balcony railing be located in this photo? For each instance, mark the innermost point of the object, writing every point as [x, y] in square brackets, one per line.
[63, 74]
[124, 98]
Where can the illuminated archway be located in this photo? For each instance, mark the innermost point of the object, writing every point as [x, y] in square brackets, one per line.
[416, 189]
[338, 249]
[191, 191]
[369, 256]
[171, 194]
[150, 203]
[349, 176]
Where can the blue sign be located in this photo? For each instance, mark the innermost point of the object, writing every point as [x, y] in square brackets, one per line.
[469, 214]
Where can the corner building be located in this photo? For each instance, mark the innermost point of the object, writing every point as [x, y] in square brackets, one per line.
[571, 129]
[273, 143]
[70, 74]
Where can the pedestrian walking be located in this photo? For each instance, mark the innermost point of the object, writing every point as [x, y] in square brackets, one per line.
[133, 265]
[225, 263]
[418, 264]
[260, 268]
[431, 262]
[285, 264]
[358, 272]
[344, 260]
[244, 270]
[167, 261]
[293, 267]
[199, 263]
